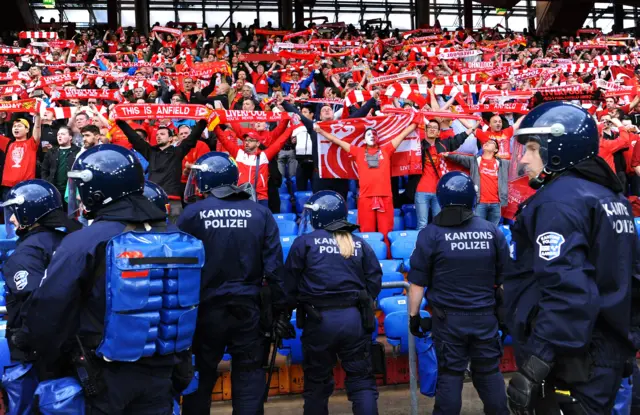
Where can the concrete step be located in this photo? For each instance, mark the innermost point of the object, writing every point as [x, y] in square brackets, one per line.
[393, 400]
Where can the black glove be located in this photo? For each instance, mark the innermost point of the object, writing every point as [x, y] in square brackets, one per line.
[283, 327]
[419, 326]
[525, 386]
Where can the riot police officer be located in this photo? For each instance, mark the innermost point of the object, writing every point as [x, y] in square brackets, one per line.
[243, 247]
[460, 259]
[35, 209]
[129, 306]
[335, 277]
[568, 292]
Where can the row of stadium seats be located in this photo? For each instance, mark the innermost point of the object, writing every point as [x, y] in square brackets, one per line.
[287, 222]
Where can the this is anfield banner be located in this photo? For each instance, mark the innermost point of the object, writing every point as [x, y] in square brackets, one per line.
[335, 163]
[158, 111]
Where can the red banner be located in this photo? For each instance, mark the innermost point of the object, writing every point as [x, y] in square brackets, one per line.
[23, 105]
[250, 116]
[510, 107]
[258, 57]
[65, 94]
[159, 111]
[336, 163]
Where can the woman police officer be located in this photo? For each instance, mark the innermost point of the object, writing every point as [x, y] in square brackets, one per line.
[334, 276]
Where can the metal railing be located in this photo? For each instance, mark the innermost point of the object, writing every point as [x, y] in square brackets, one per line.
[413, 378]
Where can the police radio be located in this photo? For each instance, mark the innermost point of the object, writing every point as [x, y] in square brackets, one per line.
[88, 373]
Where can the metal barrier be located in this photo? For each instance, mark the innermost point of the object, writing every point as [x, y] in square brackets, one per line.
[413, 379]
[3, 310]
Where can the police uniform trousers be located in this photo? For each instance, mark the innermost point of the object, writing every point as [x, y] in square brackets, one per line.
[133, 389]
[635, 397]
[234, 327]
[459, 337]
[596, 392]
[340, 334]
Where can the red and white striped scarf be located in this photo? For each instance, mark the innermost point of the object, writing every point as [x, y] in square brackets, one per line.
[38, 35]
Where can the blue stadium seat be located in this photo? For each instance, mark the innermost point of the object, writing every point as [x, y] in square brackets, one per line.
[379, 248]
[293, 347]
[301, 199]
[391, 265]
[396, 327]
[285, 204]
[398, 223]
[406, 264]
[507, 340]
[637, 222]
[287, 227]
[389, 292]
[394, 235]
[370, 236]
[284, 216]
[352, 216]
[397, 303]
[402, 248]
[397, 212]
[353, 187]
[351, 201]
[410, 217]
[286, 242]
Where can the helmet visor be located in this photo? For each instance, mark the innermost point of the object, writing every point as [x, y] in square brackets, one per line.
[9, 210]
[305, 220]
[191, 191]
[77, 178]
[528, 156]
[75, 208]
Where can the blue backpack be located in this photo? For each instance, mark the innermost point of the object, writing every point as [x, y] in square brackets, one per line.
[152, 293]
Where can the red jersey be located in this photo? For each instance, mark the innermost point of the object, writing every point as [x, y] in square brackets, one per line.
[608, 147]
[260, 82]
[503, 137]
[374, 181]
[488, 169]
[429, 178]
[20, 161]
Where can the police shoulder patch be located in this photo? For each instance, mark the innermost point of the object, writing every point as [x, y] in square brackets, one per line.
[549, 244]
[20, 279]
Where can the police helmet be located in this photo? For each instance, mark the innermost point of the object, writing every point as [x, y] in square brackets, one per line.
[31, 200]
[104, 174]
[156, 195]
[567, 134]
[215, 173]
[456, 189]
[328, 210]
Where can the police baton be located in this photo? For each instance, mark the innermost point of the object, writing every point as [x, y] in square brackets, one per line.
[272, 364]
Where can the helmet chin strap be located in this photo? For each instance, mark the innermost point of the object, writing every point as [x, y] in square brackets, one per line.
[538, 181]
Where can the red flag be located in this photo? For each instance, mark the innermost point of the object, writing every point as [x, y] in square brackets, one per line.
[336, 163]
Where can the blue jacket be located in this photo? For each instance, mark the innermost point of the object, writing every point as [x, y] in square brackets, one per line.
[317, 271]
[574, 244]
[242, 245]
[25, 268]
[461, 265]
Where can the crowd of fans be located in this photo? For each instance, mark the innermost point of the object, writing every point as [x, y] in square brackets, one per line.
[465, 90]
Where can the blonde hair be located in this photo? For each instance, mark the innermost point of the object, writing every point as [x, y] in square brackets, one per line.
[345, 244]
